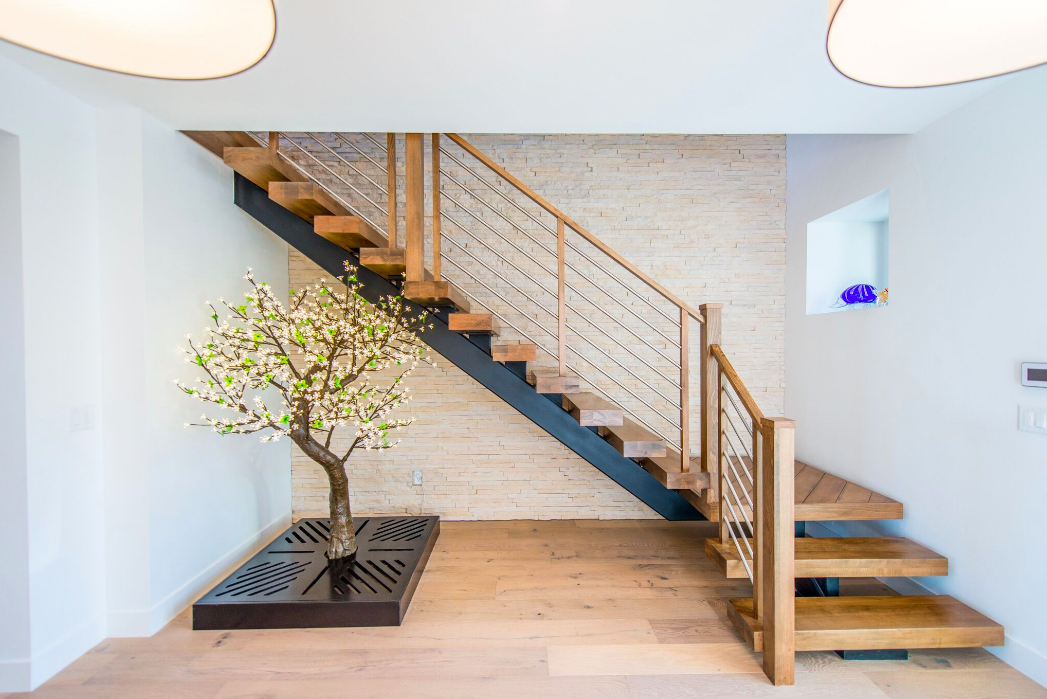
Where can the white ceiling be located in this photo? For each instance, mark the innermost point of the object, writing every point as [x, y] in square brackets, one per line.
[553, 66]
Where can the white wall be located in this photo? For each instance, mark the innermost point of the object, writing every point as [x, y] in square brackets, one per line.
[919, 400]
[60, 326]
[125, 227]
[14, 514]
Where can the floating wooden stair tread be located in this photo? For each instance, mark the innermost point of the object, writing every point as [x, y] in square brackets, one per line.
[431, 293]
[261, 166]
[633, 441]
[348, 232]
[844, 558]
[514, 352]
[218, 141]
[548, 381]
[307, 199]
[473, 323]
[591, 410]
[877, 623]
[821, 496]
[667, 470]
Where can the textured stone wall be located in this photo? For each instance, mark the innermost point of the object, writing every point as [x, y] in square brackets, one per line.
[703, 215]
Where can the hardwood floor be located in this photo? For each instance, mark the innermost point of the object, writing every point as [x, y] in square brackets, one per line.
[526, 610]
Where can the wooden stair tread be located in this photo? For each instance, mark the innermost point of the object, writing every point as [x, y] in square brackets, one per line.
[433, 293]
[877, 623]
[821, 496]
[349, 232]
[591, 410]
[830, 557]
[260, 165]
[667, 469]
[307, 199]
[633, 441]
[549, 381]
[387, 262]
[473, 323]
[514, 352]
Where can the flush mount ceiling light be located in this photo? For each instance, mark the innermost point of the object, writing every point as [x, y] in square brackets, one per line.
[173, 39]
[923, 43]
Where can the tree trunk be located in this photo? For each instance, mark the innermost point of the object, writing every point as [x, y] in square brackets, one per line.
[343, 538]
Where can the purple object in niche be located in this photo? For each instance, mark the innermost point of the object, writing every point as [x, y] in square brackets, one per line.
[859, 293]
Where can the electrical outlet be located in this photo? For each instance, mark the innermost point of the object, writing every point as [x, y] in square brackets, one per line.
[81, 417]
[1032, 419]
[417, 478]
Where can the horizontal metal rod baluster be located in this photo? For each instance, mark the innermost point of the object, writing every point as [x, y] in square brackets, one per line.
[505, 320]
[495, 211]
[646, 300]
[622, 366]
[537, 242]
[308, 175]
[730, 486]
[521, 291]
[500, 193]
[361, 173]
[325, 166]
[745, 540]
[506, 280]
[608, 294]
[633, 415]
[346, 141]
[328, 189]
[447, 215]
[741, 441]
[744, 415]
[731, 459]
[674, 382]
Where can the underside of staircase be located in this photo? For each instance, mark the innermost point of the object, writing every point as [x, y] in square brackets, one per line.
[304, 214]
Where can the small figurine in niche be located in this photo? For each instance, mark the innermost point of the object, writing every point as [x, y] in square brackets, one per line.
[881, 297]
[860, 295]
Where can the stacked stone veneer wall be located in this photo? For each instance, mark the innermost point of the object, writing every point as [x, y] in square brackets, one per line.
[704, 215]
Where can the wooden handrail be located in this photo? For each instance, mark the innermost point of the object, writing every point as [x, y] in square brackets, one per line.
[574, 225]
[736, 382]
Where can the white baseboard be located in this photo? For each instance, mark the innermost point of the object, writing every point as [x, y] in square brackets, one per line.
[26, 675]
[146, 622]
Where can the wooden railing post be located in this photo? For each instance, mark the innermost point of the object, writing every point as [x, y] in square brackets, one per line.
[710, 410]
[777, 548]
[414, 195]
[561, 304]
[390, 169]
[274, 141]
[436, 206]
[685, 392]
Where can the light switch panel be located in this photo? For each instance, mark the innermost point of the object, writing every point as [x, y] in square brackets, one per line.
[1032, 419]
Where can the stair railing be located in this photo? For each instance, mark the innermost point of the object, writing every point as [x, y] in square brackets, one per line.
[606, 350]
[506, 253]
[756, 496]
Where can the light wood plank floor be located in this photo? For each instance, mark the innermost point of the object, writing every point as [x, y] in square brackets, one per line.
[527, 610]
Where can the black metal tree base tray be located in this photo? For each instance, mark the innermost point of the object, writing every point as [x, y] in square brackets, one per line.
[291, 584]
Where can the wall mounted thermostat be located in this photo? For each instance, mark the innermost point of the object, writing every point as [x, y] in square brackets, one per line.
[1034, 374]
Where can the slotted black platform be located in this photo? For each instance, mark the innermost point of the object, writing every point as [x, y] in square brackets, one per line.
[289, 584]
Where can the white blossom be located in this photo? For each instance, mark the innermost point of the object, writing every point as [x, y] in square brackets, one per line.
[318, 355]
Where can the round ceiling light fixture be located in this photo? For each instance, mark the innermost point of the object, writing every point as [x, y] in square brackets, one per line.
[924, 43]
[172, 39]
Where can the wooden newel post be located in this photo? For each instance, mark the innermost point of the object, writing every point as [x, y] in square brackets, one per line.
[390, 172]
[414, 209]
[710, 410]
[777, 549]
[685, 392]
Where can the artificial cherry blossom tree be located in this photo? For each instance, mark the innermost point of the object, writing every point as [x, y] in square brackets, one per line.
[335, 361]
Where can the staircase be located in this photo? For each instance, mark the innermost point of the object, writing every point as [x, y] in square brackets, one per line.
[614, 386]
